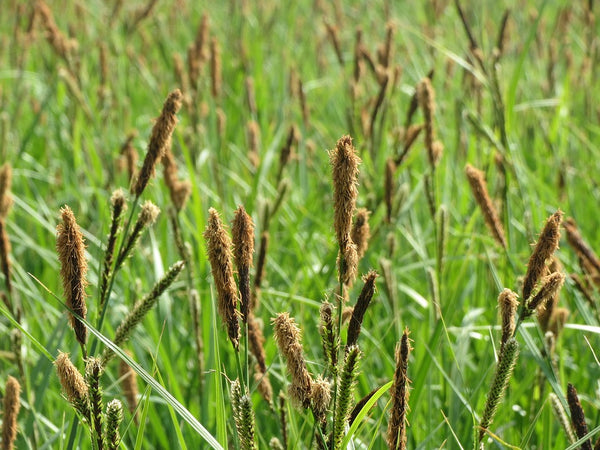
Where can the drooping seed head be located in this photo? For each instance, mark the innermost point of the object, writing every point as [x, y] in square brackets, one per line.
[550, 286]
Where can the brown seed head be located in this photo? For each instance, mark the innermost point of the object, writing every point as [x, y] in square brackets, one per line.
[5, 265]
[551, 284]
[321, 397]
[426, 98]
[508, 303]
[544, 249]
[6, 199]
[359, 310]
[256, 340]
[361, 232]
[159, 140]
[219, 254]
[348, 262]
[344, 163]
[215, 67]
[130, 387]
[480, 192]
[253, 142]
[12, 404]
[396, 432]
[242, 231]
[288, 336]
[577, 416]
[73, 268]
[71, 379]
[583, 250]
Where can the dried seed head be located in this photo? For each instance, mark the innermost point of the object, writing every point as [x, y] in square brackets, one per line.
[219, 254]
[426, 98]
[148, 213]
[130, 387]
[12, 404]
[344, 163]
[583, 250]
[73, 268]
[242, 231]
[577, 416]
[359, 310]
[480, 192]
[396, 432]
[550, 287]
[159, 140]
[72, 383]
[215, 68]
[544, 249]
[508, 303]
[288, 338]
[361, 232]
[256, 340]
[6, 199]
[5, 265]
[558, 320]
[348, 262]
[321, 396]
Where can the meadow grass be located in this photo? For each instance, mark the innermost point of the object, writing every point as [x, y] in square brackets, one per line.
[425, 90]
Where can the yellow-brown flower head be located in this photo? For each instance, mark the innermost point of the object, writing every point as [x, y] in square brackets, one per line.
[544, 249]
[508, 304]
[72, 382]
[288, 337]
[344, 163]
[219, 246]
[480, 192]
[12, 404]
[73, 268]
[426, 98]
[321, 397]
[242, 231]
[159, 140]
[6, 199]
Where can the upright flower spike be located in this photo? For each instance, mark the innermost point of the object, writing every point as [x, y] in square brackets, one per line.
[344, 164]
[577, 416]
[219, 246]
[396, 432]
[361, 232]
[288, 335]
[73, 268]
[73, 384]
[159, 140]
[242, 231]
[12, 404]
[508, 304]
[358, 313]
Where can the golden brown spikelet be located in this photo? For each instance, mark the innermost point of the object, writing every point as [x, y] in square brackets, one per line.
[179, 190]
[12, 404]
[288, 338]
[361, 232]
[6, 199]
[215, 68]
[426, 98]
[253, 143]
[480, 192]
[396, 432]
[544, 314]
[55, 37]
[72, 383]
[5, 265]
[219, 246]
[544, 249]
[242, 231]
[129, 156]
[73, 269]
[508, 304]
[159, 140]
[130, 388]
[344, 163]
[256, 341]
[583, 250]
[550, 285]
[321, 397]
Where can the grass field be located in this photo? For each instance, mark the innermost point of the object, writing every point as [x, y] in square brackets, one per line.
[267, 89]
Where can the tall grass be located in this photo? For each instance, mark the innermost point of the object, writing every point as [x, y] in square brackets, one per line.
[256, 92]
